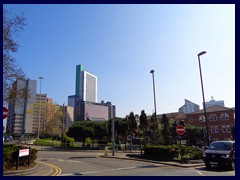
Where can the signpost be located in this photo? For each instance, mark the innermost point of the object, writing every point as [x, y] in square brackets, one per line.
[180, 129]
[5, 112]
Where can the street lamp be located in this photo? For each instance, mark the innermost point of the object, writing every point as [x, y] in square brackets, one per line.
[152, 72]
[39, 113]
[204, 107]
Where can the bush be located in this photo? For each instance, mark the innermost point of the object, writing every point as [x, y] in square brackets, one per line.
[162, 152]
[172, 152]
[191, 153]
[10, 155]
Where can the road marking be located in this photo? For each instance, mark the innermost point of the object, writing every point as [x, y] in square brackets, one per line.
[57, 169]
[93, 172]
[199, 172]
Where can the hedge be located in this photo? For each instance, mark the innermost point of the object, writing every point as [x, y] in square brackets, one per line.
[10, 155]
[171, 152]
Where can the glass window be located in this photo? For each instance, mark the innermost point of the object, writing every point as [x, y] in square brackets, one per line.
[212, 129]
[223, 129]
[201, 118]
[228, 128]
[213, 117]
[216, 129]
[224, 116]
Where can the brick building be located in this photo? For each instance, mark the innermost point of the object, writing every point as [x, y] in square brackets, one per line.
[220, 120]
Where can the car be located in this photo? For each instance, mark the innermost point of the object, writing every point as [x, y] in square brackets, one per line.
[220, 153]
[8, 139]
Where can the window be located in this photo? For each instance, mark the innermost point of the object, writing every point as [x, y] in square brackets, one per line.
[190, 120]
[213, 117]
[201, 118]
[224, 129]
[224, 116]
[212, 129]
[228, 128]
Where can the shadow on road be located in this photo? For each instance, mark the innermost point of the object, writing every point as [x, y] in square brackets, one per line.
[214, 168]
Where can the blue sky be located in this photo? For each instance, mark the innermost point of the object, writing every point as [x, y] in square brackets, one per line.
[120, 44]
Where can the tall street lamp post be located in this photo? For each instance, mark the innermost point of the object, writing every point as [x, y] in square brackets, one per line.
[204, 107]
[152, 72]
[39, 113]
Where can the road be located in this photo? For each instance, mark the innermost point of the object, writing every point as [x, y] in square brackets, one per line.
[90, 164]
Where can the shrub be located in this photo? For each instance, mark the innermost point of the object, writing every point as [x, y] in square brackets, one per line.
[161, 152]
[10, 155]
[191, 153]
[172, 152]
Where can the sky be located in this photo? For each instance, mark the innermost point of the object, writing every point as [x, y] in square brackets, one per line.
[121, 44]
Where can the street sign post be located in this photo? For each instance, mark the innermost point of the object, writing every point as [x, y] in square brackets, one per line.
[180, 129]
[5, 112]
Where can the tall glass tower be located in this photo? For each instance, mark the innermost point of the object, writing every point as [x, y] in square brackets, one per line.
[86, 85]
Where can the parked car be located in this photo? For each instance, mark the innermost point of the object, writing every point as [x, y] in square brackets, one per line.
[220, 153]
[8, 139]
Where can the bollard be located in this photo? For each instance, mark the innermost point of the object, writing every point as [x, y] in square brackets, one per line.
[106, 151]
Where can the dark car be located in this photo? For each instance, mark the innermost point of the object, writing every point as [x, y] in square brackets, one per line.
[220, 153]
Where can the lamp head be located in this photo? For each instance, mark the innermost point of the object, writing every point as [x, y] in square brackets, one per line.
[152, 71]
[202, 53]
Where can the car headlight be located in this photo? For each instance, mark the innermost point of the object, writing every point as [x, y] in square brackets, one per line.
[225, 156]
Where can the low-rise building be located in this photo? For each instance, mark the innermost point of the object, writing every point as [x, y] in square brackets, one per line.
[220, 121]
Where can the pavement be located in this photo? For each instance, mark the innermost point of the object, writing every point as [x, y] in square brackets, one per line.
[46, 169]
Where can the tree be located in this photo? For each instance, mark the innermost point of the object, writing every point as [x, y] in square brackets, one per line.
[81, 131]
[54, 121]
[132, 123]
[166, 130]
[193, 135]
[143, 121]
[11, 71]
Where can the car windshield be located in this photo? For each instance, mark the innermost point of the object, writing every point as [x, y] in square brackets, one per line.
[226, 146]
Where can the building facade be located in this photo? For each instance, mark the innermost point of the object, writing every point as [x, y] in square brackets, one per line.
[84, 101]
[188, 107]
[212, 102]
[21, 111]
[86, 85]
[220, 121]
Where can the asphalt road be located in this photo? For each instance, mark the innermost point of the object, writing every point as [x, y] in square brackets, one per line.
[90, 164]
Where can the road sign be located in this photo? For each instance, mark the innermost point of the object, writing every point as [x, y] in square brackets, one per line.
[5, 112]
[180, 129]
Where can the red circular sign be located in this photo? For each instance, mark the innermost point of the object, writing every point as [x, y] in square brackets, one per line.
[5, 112]
[180, 129]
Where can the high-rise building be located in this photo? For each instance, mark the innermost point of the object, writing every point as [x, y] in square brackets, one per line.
[86, 85]
[85, 99]
[21, 111]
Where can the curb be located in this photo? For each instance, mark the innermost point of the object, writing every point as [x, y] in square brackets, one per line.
[21, 172]
[158, 162]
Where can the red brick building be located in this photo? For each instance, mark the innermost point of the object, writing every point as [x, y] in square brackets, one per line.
[220, 120]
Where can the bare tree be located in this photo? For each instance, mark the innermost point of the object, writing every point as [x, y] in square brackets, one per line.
[11, 71]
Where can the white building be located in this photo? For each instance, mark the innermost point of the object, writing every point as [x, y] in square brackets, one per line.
[86, 85]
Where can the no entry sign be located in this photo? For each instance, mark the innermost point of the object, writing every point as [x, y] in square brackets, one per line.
[5, 112]
[180, 129]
